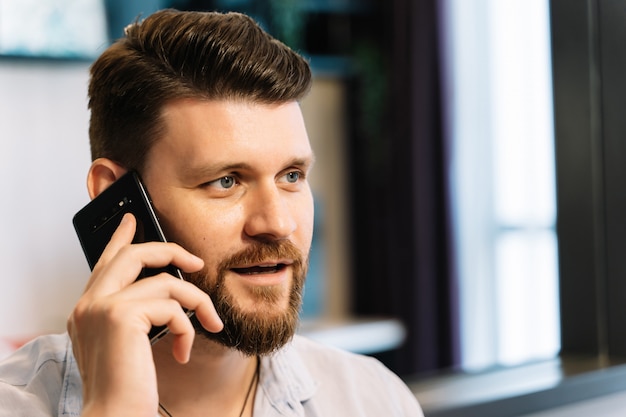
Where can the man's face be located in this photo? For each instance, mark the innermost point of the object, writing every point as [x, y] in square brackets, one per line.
[228, 180]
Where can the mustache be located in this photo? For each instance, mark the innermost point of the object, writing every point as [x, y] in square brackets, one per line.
[257, 252]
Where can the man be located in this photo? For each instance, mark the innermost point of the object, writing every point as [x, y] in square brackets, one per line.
[204, 106]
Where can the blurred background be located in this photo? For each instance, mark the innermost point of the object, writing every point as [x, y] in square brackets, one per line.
[436, 185]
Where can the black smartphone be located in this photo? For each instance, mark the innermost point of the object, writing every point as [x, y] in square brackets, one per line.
[96, 222]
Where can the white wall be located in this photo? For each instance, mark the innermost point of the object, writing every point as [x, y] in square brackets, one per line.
[44, 157]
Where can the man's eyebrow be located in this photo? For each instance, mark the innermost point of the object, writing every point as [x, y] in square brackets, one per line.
[200, 171]
[306, 162]
[209, 170]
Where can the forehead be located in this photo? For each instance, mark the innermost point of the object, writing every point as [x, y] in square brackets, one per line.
[227, 131]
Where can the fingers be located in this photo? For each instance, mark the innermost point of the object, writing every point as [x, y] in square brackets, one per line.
[155, 301]
[124, 268]
[121, 262]
[150, 300]
[166, 287]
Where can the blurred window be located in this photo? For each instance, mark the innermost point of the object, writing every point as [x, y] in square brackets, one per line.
[498, 73]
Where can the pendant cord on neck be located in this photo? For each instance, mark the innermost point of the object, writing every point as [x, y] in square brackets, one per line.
[167, 413]
[252, 384]
[255, 378]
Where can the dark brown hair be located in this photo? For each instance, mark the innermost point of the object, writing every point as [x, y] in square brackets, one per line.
[174, 55]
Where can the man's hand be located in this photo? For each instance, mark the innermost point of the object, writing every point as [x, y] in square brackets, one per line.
[111, 321]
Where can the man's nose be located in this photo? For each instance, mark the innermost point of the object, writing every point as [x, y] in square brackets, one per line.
[268, 214]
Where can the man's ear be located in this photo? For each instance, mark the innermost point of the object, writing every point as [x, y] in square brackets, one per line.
[103, 172]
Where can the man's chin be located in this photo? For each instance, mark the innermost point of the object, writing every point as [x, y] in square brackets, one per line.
[250, 335]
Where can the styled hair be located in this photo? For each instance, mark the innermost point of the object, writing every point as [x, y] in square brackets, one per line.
[178, 55]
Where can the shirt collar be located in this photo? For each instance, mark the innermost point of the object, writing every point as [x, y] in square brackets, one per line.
[286, 381]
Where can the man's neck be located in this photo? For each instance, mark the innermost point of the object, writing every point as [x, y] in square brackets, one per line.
[216, 378]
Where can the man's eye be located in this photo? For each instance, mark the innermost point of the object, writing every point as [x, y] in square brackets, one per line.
[293, 177]
[223, 183]
[226, 182]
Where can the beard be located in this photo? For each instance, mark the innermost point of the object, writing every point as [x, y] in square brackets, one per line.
[271, 325]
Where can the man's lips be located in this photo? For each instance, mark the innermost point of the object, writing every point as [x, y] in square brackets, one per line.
[264, 268]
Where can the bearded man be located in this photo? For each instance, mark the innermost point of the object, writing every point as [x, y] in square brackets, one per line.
[205, 108]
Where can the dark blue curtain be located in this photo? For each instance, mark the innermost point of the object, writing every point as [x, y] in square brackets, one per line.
[403, 258]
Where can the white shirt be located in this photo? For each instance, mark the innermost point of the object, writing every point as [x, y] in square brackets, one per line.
[302, 379]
